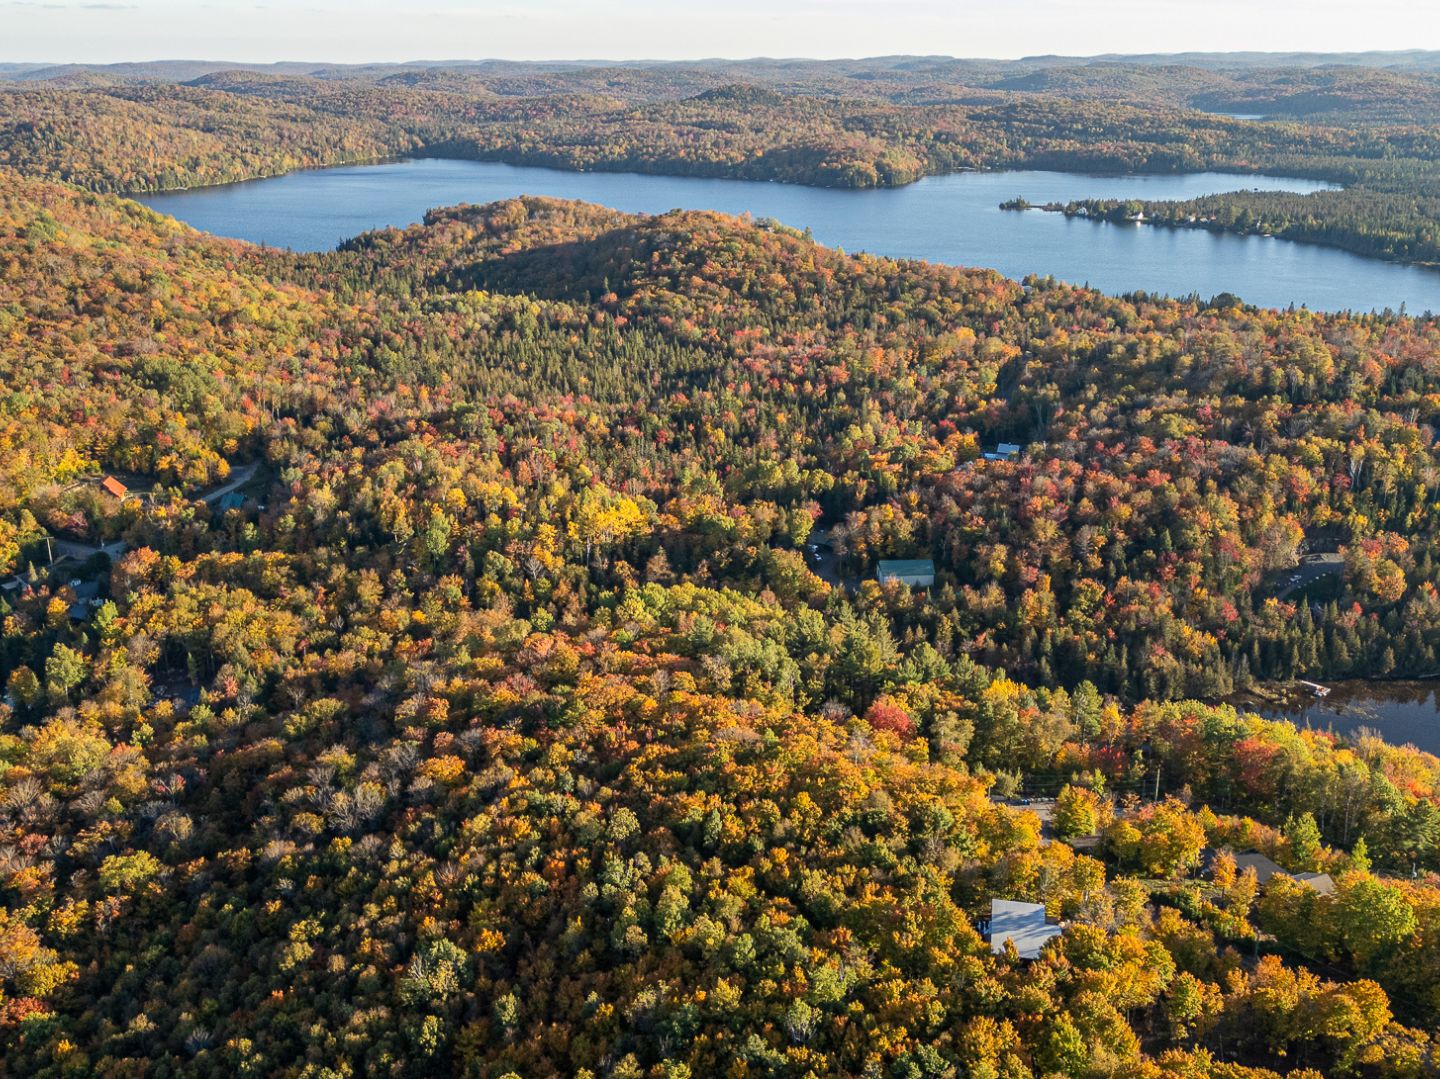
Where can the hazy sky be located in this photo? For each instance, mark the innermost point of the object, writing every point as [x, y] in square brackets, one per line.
[365, 30]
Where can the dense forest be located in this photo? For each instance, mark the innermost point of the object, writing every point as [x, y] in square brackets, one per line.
[446, 681]
[851, 124]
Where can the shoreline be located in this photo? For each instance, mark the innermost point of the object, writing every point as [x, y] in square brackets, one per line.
[1018, 205]
[1402, 711]
[432, 153]
[1205, 225]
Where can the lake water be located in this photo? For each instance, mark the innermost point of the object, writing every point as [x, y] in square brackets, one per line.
[951, 219]
[1400, 712]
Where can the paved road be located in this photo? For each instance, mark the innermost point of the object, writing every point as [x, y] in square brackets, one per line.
[1311, 569]
[84, 551]
[825, 564]
[238, 478]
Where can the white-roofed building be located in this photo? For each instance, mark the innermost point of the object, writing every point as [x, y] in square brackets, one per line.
[1006, 451]
[1022, 924]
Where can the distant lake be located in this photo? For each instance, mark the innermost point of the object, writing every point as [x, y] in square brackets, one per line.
[952, 219]
[1400, 712]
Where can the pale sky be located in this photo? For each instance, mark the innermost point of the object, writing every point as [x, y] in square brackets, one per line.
[98, 31]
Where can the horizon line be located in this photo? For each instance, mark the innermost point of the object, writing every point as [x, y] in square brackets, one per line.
[658, 61]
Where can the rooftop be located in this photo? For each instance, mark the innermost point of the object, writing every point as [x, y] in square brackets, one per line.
[1321, 882]
[1022, 924]
[1005, 451]
[913, 571]
[1265, 868]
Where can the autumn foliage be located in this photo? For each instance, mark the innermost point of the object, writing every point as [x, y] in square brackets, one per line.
[504, 723]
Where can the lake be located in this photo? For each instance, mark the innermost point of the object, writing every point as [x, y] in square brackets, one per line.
[1400, 712]
[952, 219]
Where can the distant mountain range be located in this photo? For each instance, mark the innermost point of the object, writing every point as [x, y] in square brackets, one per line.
[1414, 60]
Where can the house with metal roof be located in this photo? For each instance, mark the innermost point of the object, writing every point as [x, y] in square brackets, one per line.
[1020, 924]
[915, 572]
[1265, 868]
[1006, 451]
[113, 487]
[1321, 882]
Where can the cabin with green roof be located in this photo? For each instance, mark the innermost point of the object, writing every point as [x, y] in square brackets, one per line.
[914, 572]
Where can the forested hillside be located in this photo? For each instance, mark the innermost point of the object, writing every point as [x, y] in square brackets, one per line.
[500, 724]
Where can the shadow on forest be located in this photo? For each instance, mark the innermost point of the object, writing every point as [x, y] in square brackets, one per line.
[574, 270]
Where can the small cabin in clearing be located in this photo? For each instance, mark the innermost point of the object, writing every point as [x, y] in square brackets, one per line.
[915, 572]
[1006, 451]
[113, 487]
